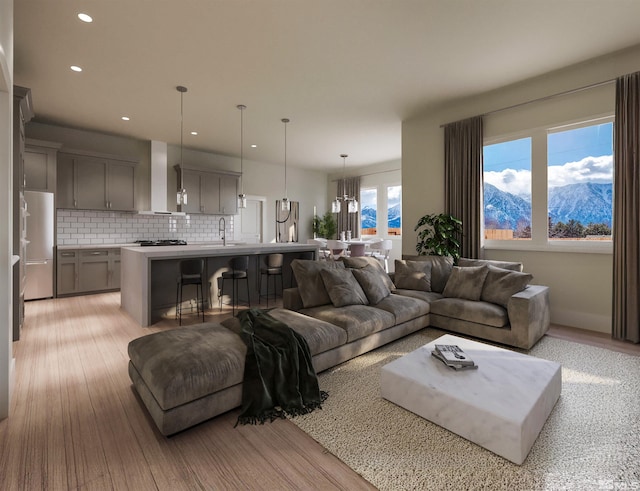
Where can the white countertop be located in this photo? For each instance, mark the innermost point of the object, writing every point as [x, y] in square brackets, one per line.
[96, 246]
[167, 252]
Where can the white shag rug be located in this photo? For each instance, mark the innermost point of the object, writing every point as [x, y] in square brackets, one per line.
[591, 440]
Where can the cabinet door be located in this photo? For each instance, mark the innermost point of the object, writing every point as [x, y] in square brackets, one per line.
[121, 186]
[65, 182]
[114, 262]
[210, 197]
[91, 189]
[94, 270]
[228, 195]
[192, 185]
[67, 272]
[36, 170]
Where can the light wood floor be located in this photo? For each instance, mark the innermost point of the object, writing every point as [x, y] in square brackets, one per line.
[75, 421]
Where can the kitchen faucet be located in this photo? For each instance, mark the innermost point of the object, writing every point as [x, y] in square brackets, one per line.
[221, 226]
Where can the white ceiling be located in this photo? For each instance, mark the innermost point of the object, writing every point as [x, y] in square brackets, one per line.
[346, 72]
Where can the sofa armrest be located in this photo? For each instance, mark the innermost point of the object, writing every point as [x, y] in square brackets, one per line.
[291, 299]
[529, 315]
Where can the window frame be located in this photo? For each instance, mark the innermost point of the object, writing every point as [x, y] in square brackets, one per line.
[539, 193]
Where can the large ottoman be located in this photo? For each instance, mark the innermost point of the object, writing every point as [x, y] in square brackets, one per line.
[186, 376]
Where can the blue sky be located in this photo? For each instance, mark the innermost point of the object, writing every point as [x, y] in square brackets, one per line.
[576, 155]
[562, 147]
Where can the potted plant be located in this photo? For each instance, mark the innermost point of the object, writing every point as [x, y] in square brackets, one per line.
[439, 235]
[325, 226]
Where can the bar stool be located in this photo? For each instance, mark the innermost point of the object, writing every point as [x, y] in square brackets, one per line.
[272, 269]
[190, 272]
[239, 271]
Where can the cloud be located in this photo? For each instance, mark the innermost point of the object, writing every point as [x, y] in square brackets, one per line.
[589, 169]
[512, 181]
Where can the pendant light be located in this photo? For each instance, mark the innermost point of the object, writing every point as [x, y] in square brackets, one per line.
[181, 197]
[285, 204]
[351, 202]
[242, 198]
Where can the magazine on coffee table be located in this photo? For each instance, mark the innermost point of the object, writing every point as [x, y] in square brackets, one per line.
[453, 356]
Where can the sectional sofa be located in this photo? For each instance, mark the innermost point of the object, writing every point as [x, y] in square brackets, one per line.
[343, 309]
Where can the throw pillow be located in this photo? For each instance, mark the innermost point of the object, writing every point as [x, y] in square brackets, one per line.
[501, 284]
[372, 283]
[343, 288]
[464, 262]
[440, 269]
[310, 284]
[366, 262]
[466, 283]
[413, 275]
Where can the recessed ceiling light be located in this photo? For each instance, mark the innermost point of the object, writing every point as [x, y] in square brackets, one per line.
[85, 17]
[194, 133]
[254, 145]
[125, 118]
[76, 68]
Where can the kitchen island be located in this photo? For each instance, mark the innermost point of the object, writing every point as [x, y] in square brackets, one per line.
[148, 274]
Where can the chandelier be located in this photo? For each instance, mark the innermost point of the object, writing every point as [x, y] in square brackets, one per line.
[351, 201]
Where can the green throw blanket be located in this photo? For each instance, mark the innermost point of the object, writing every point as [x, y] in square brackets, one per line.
[279, 378]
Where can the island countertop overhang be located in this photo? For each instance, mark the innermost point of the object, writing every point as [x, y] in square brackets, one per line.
[208, 250]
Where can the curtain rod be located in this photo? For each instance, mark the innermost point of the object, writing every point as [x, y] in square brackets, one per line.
[542, 99]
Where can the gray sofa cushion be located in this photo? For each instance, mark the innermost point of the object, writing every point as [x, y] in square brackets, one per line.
[440, 269]
[413, 275]
[468, 310]
[501, 284]
[310, 284]
[357, 320]
[320, 336]
[404, 308]
[182, 365]
[370, 263]
[426, 296]
[343, 288]
[464, 262]
[466, 283]
[372, 283]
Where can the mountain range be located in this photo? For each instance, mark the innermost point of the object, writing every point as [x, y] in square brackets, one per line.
[369, 217]
[584, 202]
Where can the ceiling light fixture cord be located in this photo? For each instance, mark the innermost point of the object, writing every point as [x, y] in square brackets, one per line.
[182, 194]
[242, 199]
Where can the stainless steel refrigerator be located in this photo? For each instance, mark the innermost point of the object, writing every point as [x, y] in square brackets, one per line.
[39, 264]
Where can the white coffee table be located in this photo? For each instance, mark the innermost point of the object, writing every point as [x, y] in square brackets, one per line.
[501, 406]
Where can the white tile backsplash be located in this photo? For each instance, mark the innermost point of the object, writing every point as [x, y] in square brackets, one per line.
[97, 227]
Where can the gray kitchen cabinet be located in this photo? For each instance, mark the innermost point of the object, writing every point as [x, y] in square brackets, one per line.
[209, 192]
[40, 165]
[67, 272]
[228, 195]
[82, 271]
[91, 182]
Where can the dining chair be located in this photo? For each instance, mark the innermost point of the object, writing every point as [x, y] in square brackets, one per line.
[336, 248]
[357, 250]
[381, 251]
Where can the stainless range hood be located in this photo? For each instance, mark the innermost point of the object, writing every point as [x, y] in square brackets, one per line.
[159, 181]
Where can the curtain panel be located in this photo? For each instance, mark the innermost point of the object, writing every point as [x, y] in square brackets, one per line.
[349, 221]
[463, 180]
[626, 214]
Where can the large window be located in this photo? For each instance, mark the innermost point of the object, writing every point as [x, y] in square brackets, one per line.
[369, 213]
[552, 185]
[580, 182]
[394, 210]
[381, 210]
[507, 190]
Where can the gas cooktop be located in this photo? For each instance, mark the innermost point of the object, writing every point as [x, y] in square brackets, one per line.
[162, 242]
